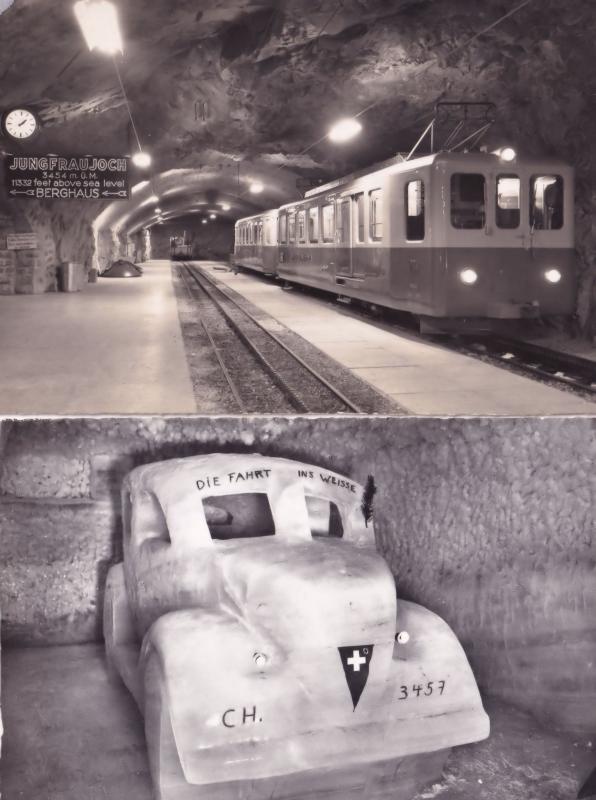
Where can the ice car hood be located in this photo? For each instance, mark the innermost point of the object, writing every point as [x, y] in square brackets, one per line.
[308, 594]
[262, 686]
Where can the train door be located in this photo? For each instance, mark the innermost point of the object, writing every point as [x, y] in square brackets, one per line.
[416, 285]
[343, 261]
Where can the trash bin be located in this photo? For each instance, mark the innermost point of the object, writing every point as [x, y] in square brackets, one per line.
[70, 276]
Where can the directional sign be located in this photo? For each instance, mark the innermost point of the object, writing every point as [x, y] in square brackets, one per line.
[67, 178]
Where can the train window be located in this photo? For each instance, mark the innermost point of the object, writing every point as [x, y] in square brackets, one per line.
[313, 224]
[292, 227]
[415, 209]
[359, 212]
[301, 226]
[468, 207]
[546, 202]
[283, 228]
[375, 214]
[508, 201]
[259, 233]
[328, 219]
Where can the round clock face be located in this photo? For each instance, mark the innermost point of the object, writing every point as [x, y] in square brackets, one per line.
[20, 123]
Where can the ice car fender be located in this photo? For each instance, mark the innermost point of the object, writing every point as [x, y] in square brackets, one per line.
[238, 698]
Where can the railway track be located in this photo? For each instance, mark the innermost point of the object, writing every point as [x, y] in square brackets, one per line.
[535, 360]
[262, 372]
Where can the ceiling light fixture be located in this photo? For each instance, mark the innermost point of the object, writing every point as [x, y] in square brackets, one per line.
[141, 159]
[256, 187]
[157, 210]
[99, 22]
[344, 130]
[204, 221]
[225, 206]
[212, 216]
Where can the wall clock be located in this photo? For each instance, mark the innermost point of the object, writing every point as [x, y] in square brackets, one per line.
[20, 123]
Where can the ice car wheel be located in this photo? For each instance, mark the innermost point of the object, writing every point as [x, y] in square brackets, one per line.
[164, 762]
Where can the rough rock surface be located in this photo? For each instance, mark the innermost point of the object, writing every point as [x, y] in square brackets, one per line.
[243, 87]
[487, 522]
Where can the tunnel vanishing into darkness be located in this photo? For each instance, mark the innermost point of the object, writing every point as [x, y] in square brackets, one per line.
[247, 90]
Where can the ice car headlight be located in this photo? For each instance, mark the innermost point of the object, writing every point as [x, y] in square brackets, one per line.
[468, 276]
[553, 275]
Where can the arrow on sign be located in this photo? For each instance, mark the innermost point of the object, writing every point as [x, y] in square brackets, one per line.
[121, 193]
[30, 192]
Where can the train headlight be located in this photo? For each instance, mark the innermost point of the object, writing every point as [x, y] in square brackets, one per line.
[553, 275]
[468, 276]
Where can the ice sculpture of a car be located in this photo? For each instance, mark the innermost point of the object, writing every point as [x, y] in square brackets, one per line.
[258, 629]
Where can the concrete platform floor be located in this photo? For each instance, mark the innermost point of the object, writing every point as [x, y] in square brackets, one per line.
[72, 735]
[115, 348]
[423, 378]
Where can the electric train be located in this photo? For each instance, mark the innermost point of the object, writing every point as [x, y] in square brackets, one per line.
[449, 237]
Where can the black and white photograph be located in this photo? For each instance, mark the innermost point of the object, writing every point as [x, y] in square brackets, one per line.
[239, 607]
[297, 400]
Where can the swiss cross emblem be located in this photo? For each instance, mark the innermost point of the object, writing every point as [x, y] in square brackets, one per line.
[356, 661]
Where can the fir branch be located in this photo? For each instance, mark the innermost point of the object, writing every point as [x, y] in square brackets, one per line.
[367, 499]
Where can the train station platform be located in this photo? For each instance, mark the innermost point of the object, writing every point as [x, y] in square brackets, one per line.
[422, 377]
[114, 348]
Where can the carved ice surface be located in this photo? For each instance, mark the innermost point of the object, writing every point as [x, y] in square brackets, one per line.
[257, 627]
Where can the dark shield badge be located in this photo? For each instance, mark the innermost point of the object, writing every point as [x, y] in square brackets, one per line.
[356, 661]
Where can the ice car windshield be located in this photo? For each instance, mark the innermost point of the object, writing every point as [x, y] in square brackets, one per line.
[248, 516]
[239, 516]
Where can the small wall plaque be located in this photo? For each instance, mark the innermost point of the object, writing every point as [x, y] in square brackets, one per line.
[21, 241]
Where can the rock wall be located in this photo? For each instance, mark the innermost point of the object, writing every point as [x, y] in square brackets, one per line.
[64, 233]
[25, 271]
[487, 522]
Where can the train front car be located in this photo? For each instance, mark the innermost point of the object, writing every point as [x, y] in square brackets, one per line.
[255, 243]
[258, 628]
[460, 240]
[502, 242]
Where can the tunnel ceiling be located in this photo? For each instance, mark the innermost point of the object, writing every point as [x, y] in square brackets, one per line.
[243, 88]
